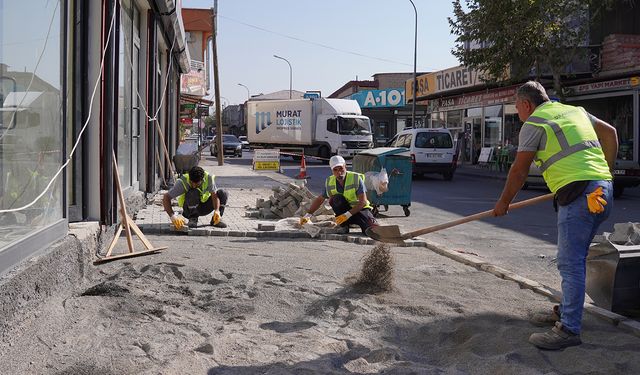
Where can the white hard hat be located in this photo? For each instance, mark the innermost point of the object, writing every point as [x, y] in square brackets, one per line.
[337, 160]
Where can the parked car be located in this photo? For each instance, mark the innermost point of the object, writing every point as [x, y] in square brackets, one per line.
[244, 141]
[231, 145]
[432, 150]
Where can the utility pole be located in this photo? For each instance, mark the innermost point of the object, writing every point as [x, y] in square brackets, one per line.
[214, 48]
[415, 59]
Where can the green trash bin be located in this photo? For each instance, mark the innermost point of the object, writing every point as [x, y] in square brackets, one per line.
[397, 162]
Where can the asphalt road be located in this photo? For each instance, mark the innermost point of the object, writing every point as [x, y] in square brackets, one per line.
[523, 241]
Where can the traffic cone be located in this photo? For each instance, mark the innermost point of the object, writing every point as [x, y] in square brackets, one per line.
[303, 170]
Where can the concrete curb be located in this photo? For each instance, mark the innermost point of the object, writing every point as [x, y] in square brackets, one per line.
[626, 324]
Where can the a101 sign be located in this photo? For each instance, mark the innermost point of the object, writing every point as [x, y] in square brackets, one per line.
[380, 98]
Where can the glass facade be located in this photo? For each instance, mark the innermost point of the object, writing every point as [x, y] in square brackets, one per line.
[128, 114]
[493, 126]
[31, 117]
[512, 125]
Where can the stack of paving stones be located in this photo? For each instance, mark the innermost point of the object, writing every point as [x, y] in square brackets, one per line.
[292, 200]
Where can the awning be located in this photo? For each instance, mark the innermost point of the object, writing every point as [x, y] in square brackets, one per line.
[186, 98]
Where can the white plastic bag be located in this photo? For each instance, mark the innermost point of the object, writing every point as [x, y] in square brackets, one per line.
[378, 181]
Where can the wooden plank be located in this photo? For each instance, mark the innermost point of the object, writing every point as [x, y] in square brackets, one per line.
[141, 235]
[123, 209]
[115, 239]
[129, 255]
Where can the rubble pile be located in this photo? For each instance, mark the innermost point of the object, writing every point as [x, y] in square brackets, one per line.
[292, 200]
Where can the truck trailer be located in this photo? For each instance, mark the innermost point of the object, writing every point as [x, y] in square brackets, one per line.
[318, 126]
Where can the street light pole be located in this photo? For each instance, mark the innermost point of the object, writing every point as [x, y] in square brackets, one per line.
[290, 72]
[415, 59]
[248, 95]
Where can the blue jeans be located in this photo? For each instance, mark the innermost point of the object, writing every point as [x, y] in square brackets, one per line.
[576, 228]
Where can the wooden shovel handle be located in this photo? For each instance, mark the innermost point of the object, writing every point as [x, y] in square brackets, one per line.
[480, 215]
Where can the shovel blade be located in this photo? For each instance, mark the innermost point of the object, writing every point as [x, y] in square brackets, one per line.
[385, 233]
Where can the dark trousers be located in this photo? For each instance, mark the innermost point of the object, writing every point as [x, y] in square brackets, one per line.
[193, 208]
[364, 219]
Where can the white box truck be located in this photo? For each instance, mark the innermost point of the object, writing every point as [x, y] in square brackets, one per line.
[321, 127]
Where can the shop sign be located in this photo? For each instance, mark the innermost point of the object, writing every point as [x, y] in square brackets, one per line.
[187, 120]
[186, 106]
[193, 83]
[480, 99]
[426, 84]
[613, 85]
[444, 80]
[388, 98]
[266, 160]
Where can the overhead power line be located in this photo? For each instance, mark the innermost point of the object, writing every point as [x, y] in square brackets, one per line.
[314, 43]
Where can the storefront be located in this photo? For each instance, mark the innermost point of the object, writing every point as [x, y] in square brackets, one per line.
[478, 119]
[616, 102]
[97, 78]
[388, 112]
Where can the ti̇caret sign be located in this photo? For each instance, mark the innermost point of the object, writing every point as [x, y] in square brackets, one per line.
[445, 80]
[388, 98]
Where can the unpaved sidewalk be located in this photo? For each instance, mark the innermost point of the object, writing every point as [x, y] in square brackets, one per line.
[253, 306]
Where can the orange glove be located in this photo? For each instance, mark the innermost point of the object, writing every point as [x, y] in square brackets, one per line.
[595, 201]
[178, 221]
[216, 217]
[342, 218]
[305, 219]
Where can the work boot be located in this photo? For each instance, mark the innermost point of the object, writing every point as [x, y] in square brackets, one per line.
[543, 319]
[220, 224]
[556, 339]
[193, 222]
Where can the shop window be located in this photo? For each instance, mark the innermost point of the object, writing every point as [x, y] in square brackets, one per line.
[512, 126]
[31, 123]
[493, 126]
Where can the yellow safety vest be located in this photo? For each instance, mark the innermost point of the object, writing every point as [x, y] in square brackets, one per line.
[204, 193]
[572, 152]
[351, 182]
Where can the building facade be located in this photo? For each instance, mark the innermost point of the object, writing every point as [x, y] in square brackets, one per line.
[89, 89]
[383, 101]
[605, 80]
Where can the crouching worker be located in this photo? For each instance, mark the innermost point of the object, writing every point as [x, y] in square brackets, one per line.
[347, 196]
[198, 195]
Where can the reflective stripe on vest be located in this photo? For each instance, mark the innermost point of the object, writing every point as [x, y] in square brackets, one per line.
[350, 192]
[572, 152]
[204, 193]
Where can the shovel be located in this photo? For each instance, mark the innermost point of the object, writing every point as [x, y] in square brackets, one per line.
[391, 233]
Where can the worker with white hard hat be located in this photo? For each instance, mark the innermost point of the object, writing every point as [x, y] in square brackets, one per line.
[347, 196]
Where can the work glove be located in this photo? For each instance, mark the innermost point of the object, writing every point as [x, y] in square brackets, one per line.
[216, 217]
[178, 221]
[342, 218]
[305, 219]
[595, 202]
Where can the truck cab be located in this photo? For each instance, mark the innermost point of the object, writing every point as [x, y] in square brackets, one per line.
[346, 135]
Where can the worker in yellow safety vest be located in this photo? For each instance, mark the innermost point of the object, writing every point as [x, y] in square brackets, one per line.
[576, 153]
[198, 195]
[347, 196]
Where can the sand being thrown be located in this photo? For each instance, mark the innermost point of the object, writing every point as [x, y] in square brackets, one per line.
[377, 270]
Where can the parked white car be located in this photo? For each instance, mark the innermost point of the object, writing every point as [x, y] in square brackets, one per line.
[432, 150]
[244, 141]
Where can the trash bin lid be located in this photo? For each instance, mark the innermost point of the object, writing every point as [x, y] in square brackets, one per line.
[387, 151]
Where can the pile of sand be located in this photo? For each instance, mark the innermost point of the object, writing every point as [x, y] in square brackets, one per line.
[253, 306]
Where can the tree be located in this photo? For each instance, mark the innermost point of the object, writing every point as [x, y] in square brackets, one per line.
[522, 36]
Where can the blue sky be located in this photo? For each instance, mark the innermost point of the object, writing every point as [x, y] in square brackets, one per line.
[250, 32]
